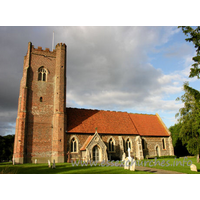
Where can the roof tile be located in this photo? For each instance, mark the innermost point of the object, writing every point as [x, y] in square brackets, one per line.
[112, 122]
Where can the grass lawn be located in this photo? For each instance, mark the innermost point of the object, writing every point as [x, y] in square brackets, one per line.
[173, 164]
[63, 168]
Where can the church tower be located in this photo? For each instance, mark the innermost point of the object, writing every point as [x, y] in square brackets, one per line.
[40, 123]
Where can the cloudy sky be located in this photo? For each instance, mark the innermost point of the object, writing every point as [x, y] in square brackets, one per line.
[138, 69]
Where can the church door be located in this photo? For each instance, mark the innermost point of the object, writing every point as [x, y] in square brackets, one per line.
[95, 152]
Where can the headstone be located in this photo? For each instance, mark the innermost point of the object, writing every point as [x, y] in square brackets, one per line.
[126, 163]
[49, 163]
[193, 167]
[54, 164]
[68, 158]
[132, 165]
[35, 161]
[123, 156]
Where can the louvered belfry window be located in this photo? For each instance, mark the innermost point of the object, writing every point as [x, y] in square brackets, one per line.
[42, 74]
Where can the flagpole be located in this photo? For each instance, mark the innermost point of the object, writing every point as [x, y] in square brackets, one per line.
[53, 41]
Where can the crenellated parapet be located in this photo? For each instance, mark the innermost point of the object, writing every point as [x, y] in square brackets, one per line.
[40, 49]
[61, 45]
[47, 50]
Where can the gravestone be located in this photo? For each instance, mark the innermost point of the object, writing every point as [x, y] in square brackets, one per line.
[54, 164]
[35, 161]
[126, 163]
[132, 165]
[49, 163]
[193, 168]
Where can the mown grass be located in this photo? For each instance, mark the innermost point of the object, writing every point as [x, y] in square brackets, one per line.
[64, 168]
[173, 164]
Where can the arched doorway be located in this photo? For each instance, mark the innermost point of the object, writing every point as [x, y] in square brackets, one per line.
[157, 151]
[95, 153]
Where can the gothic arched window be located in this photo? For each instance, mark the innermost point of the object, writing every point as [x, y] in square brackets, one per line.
[73, 145]
[42, 74]
[163, 143]
[128, 144]
[111, 145]
[144, 144]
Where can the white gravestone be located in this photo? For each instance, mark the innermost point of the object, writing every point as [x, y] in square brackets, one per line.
[126, 163]
[193, 167]
[132, 165]
[54, 164]
[49, 163]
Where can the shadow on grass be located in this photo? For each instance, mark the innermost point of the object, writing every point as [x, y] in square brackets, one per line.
[65, 168]
[149, 171]
[8, 170]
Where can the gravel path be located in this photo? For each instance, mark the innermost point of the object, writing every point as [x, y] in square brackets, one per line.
[156, 171]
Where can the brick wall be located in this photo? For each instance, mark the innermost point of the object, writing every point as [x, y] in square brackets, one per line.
[40, 114]
[41, 117]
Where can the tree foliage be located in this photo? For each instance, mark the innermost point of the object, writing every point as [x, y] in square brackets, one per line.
[194, 37]
[189, 118]
[179, 148]
[189, 115]
[6, 147]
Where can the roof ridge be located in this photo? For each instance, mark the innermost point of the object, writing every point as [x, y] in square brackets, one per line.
[87, 141]
[142, 114]
[111, 111]
[97, 110]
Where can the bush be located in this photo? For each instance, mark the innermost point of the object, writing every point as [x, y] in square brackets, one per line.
[161, 157]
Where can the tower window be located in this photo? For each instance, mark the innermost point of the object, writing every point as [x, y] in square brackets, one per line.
[42, 74]
[41, 99]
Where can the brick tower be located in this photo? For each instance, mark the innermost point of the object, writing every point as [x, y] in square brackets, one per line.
[40, 123]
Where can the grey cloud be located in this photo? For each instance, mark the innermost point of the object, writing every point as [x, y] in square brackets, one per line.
[107, 67]
[7, 128]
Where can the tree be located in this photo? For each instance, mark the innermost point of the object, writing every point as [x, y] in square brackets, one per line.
[6, 147]
[194, 37]
[189, 118]
[189, 115]
[179, 148]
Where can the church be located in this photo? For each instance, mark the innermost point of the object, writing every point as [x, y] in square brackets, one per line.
[48, 130]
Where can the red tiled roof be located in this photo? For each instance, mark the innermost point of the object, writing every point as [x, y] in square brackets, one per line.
[107, 122]
[111, 122]
[86, 143]
[148, 125]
